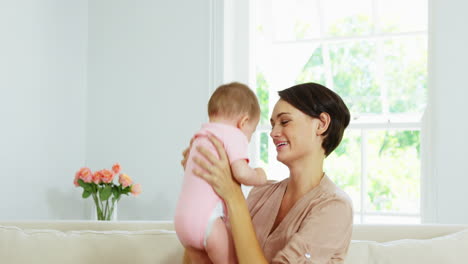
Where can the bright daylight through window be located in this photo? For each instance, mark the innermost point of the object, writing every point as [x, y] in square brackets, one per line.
[373, 53]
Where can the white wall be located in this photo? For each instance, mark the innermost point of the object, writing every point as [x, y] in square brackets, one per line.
[42, 107]
[448, 90]
[148, 80]
[90, 83]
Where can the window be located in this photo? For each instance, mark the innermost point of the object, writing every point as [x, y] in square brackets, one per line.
[373, 53]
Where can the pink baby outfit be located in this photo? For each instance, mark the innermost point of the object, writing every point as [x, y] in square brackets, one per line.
[198, 200]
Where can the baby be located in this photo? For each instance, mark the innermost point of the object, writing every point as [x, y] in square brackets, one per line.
[200, 216]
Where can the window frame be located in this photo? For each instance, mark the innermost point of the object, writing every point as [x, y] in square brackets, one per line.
[243, 70]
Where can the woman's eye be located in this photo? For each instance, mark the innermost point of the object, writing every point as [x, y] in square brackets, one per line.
[284, 122]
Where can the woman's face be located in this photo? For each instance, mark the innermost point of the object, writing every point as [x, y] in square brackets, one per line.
[294, 133]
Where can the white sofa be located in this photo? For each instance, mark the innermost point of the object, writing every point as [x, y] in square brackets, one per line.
[154, 242]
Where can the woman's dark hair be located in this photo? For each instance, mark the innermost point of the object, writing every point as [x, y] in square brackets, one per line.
[313, 99]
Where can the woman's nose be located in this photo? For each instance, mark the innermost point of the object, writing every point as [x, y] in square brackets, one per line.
[275, 132]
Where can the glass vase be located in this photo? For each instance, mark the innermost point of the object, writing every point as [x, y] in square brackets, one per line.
[104, 210]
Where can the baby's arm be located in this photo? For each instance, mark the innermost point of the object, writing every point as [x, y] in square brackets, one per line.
[246, 175]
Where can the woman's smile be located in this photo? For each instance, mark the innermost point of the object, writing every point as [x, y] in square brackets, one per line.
[280, 144]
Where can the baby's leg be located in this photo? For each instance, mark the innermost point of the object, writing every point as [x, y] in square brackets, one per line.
[219, 245]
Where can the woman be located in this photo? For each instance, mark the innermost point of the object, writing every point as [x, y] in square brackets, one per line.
[305, 218]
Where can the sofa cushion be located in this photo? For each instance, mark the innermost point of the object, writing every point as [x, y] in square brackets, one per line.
[51, 246]
[447, 249]
[358, 252]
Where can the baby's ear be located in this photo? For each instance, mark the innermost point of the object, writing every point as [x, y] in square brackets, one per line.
[243, 120]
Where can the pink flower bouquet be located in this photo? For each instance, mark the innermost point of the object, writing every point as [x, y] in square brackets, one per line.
[101, 187]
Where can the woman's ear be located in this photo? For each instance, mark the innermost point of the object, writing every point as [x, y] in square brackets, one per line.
[242, 121]
[324, 123]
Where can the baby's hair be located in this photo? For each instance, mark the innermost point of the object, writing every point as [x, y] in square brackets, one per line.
[233, 99]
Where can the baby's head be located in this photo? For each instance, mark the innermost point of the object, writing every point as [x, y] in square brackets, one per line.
[235, 104]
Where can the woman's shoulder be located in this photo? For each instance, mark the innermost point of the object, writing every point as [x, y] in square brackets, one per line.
[333, 191]
[332, 200]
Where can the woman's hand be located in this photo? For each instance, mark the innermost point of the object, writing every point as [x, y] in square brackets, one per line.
[185, 154]
[217, 172]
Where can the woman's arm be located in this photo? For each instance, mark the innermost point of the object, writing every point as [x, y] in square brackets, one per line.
[217, 173]
[195, 256]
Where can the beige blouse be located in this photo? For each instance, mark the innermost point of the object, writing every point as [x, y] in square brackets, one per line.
[317, 229]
